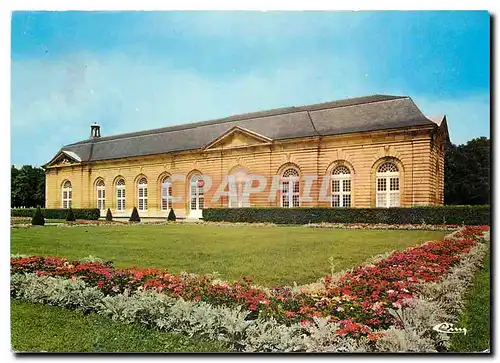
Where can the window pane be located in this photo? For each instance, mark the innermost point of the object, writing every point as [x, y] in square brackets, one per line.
[394, 200]
[295, 200]
[193, 203]
[336, 200]
[284, 200]
[296, 187]
[347, 200]
[381, 200]
[201, 202]
[284, 187]
[394, 183]
[346, 185]
[335, 186]
[381, 184]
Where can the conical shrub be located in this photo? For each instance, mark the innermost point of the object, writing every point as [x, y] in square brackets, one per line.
[109, 216]
[70, 217]
[171, 215]
[38, 219]
[135, 216]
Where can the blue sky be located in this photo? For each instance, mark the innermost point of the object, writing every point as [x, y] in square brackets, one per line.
[132, 71]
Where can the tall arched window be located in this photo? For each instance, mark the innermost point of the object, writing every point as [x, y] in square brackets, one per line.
[388, 185]
[142, 191]
[341, 187]
[237, 181]
[196, 192]
[290, 188]
[66, 194]
[120, 195]
[101, 194]
[166, 193]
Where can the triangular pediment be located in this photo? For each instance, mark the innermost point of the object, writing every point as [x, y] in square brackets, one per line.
[238, 137]
[64, 158]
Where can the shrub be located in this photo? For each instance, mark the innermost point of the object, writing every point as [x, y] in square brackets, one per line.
[468, 215]
[171, 215]
[38, 219]
[70, 217]
[135, 216]
[109, 216]
[58, 213]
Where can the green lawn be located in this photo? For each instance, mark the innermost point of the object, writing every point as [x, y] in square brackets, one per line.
[476, 316]
[36, 328]
[272, 255]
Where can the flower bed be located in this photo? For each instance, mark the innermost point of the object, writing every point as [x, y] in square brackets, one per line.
[423, 226]
[359, 302]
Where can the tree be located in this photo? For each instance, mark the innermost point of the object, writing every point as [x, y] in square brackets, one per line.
[109, 216]
[467, 172]
[38, 219]
[27, 186]
[14, 198]
[135, 216]
[70, 217]
[171, 215]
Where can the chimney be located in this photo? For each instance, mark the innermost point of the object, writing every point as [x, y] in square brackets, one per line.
[95, 130]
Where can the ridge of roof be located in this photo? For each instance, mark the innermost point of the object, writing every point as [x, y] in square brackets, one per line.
[246, 116]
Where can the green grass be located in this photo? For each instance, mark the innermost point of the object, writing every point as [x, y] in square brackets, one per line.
[476, 316]
[271, 255]
[36, 328]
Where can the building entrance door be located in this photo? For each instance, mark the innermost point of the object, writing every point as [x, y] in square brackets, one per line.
[196, 196]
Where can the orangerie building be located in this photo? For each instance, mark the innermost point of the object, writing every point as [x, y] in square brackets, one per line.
[375, 151]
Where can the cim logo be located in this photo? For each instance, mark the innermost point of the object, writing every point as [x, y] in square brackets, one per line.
[449, 329]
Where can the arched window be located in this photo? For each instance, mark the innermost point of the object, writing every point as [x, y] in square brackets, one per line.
[341, 187]
[196, 192]
[166, 193]
[290, 188]
[387, 185]
[236, 182]
[66, 194]
[120, 195]
[142, 190]
[101, 194]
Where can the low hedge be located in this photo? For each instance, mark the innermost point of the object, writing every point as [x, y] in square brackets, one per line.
[469, 215]
[60, 213]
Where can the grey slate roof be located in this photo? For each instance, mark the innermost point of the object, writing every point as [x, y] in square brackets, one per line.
[368, 113]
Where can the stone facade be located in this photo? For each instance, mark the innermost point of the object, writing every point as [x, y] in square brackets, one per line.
[417, 152]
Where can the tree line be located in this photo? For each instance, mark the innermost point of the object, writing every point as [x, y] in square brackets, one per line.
[466, 177]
